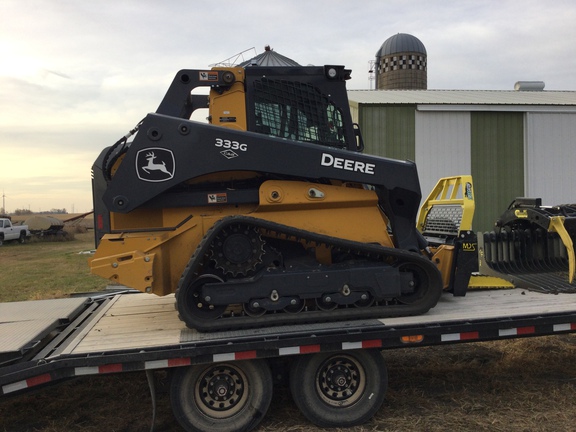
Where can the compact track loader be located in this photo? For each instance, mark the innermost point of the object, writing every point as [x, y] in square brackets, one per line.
[271, 213]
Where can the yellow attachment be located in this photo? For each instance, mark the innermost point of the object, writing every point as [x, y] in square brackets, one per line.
[456, 190]
[481, 281]
[557, 225]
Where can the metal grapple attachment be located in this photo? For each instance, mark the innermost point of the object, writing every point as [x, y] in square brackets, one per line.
[532, 246]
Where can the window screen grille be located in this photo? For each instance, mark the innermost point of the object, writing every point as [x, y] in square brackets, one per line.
[297, 111]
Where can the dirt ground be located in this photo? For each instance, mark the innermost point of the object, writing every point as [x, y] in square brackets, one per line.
[516, 385]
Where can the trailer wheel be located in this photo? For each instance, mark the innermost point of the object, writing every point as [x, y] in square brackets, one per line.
[339, 390]
[221, 397]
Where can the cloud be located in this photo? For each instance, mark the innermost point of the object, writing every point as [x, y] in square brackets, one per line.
[51, 168]
[58, 74]
[75, 75]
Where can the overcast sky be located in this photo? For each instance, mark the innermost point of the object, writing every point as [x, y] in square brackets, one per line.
[76, 75]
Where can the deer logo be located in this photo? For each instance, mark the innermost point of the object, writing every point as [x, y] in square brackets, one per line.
[155, 164]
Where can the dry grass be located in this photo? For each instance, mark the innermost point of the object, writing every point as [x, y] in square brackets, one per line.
[39, 270]
[516, 385]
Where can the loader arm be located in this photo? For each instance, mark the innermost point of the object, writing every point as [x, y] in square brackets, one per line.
[195, 149]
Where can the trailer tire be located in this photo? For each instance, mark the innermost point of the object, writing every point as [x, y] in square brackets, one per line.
[339, 389]
[221, 397]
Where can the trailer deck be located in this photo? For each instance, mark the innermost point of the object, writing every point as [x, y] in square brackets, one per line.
[142, 321]
[130, 332]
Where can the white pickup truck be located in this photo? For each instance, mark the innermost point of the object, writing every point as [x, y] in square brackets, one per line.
[12, 232]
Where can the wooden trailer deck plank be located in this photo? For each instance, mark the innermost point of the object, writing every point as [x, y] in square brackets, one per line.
[135, 320]
[490, 304]
[148, 321]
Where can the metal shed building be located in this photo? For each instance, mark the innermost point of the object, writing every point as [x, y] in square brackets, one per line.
[514, 143]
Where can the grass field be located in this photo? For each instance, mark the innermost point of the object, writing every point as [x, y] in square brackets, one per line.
[517, 385]
[40, 270]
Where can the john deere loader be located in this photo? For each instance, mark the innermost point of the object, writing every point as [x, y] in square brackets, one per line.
[270, 213]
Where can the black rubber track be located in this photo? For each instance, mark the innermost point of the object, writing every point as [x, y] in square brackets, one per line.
[419, 306]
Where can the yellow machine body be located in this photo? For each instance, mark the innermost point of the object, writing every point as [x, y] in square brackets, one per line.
[156, 258]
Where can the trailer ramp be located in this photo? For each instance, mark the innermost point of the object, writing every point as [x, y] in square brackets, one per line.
[25, 325]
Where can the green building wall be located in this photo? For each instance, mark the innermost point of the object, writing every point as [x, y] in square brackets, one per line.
[497, 153]
[496, 143]
[389, 130]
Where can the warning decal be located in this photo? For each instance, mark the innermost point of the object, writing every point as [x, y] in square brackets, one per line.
[208, 76]
[217, 198]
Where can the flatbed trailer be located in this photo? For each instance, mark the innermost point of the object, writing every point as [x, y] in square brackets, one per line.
[222, 379]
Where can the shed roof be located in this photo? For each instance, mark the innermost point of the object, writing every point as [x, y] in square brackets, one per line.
[463, 97]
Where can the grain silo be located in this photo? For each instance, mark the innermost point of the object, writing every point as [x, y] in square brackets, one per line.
[401, 64]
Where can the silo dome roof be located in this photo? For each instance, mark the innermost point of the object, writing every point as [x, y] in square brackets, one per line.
[401, 42]
[269, 58]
